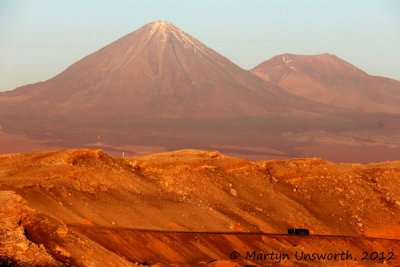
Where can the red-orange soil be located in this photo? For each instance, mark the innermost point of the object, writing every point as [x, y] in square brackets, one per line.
[83, 207]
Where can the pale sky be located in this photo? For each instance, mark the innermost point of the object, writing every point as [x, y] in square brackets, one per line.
[40, 38]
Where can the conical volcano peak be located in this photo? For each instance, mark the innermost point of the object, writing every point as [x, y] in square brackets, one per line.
[160, 23]
[157, 71]
[165, 31]
[162, 26]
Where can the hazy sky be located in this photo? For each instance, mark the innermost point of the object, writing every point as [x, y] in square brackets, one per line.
[40, 38]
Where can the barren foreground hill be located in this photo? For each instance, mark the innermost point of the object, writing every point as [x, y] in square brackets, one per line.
[84, 207]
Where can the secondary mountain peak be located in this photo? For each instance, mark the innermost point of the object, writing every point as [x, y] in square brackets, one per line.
[328, 79]
[326, 64]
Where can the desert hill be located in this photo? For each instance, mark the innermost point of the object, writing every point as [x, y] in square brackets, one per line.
[199, 190]
[187, 190]
[328, 79]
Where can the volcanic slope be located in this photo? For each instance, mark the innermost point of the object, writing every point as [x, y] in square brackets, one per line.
[328, 79]
[158, 71]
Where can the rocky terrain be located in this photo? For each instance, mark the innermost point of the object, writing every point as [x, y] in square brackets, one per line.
[84, 208]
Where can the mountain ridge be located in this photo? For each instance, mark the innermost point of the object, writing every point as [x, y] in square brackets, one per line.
[330, 80]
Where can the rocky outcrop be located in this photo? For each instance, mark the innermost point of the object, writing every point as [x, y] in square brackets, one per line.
[15, 247]
[28, 238]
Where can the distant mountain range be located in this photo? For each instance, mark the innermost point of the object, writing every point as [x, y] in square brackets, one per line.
[160, 89]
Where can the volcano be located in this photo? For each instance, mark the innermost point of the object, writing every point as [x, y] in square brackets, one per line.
[331, 80]
[158, 71]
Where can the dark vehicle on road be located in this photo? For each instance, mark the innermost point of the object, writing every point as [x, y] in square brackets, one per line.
[298, 231]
